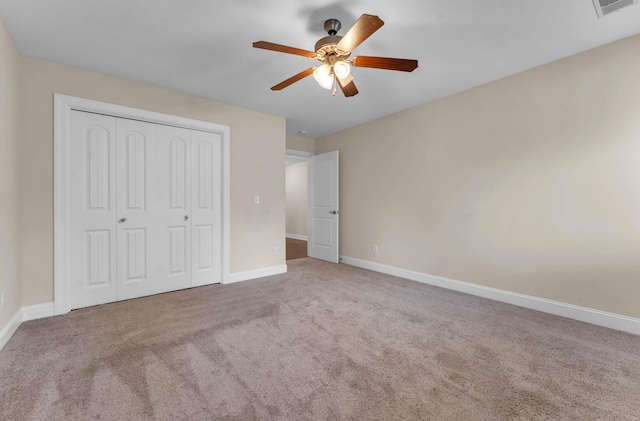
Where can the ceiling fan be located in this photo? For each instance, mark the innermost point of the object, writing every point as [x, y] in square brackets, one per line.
[334, 51]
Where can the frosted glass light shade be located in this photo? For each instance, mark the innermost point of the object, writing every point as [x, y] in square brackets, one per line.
[322, 72]
[341, 69]
[327, 83]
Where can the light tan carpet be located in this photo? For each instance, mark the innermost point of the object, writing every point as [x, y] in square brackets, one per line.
[322, 342]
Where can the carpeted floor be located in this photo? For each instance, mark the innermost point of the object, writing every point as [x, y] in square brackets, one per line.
[322, 342]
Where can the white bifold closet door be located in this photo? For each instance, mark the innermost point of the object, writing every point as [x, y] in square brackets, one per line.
[145, 208]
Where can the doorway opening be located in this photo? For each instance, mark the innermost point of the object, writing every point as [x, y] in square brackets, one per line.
[296, 192]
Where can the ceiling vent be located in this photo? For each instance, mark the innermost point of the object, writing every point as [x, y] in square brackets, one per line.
[604, 7]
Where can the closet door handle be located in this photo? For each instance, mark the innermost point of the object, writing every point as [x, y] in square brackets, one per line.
[186, 217]
[122, 220]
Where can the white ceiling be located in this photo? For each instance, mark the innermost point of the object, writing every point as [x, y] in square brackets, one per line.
[204, 47]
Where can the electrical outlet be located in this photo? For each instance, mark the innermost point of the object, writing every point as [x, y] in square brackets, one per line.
[256, 199]
[4, 298]
[277, 251]
[375, 248]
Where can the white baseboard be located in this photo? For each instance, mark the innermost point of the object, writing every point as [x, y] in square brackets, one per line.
[257, 273]
[24, 314]
[298, 237]
[10, 328]
[583, 314]
[37, 311]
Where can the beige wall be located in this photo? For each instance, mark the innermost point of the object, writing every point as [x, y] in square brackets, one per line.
[257, 166]
[296, 190]
[9, 220]
[300, 143]
[529, 184]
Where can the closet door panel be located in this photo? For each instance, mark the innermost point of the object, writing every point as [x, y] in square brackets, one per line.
[173, 197]
[138, 255]
[93, 210]
[206, 224]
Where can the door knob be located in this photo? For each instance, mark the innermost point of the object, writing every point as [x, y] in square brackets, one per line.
[122, 220]
[186, 217]
[333, 212]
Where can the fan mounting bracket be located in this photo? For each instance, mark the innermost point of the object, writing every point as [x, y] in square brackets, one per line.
[332, 26]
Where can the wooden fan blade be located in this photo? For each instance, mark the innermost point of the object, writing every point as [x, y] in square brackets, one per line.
[283, 49]
[401, 64]
[349, 88]
[293, 79]
[361, 30]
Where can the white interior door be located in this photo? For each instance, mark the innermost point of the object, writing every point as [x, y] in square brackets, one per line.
[323, 219]
[92, 209]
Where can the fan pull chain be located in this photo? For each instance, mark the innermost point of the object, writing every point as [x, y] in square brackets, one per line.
[335, 83]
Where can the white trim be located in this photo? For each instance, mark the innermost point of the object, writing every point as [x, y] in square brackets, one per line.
[583, 314]
[257, 273]
[10, 328]
[293, 156]
[24, 315]
[298, 237]
[63, 105]
[37, 311]
[299, 154]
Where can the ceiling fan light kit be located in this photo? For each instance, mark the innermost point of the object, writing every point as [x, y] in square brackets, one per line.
[326, 74]
[334, 51]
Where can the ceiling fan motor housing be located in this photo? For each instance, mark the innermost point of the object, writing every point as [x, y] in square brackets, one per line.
[327, 44]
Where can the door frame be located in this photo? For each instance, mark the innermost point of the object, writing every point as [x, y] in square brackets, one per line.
[299, 156]
[63, 105]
